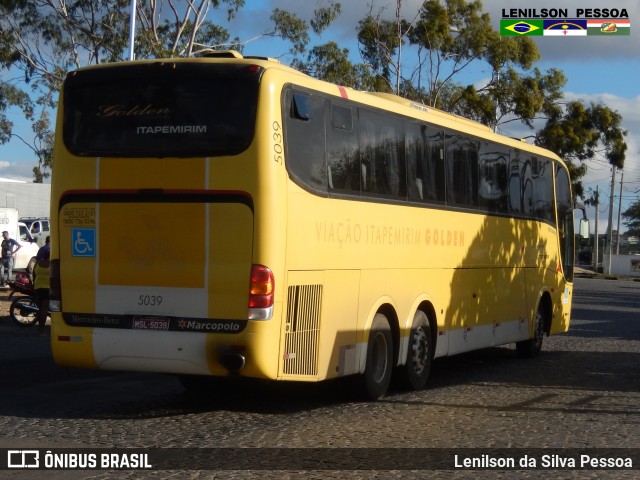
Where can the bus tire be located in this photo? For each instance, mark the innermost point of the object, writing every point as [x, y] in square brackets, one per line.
[415, 372]
[377, 372]
[532, 347]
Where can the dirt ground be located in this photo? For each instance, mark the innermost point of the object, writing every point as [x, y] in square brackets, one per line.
[5, 303]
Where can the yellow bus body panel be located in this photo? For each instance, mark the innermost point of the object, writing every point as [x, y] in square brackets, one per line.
[337, 260]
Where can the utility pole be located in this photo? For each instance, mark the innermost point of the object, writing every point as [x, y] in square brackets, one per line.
[595, 243]
[619, 214]
[610, 226]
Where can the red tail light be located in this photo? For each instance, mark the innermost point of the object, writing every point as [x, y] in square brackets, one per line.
[261, 293]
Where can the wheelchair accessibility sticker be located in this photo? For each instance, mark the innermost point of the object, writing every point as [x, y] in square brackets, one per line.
[83, 242]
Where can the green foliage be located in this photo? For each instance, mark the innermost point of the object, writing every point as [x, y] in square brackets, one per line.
[289, 26]
[12, 96]
[378, 41]
[331, 63]
[419, 57]
[632, 218]
[323, 17]
[445, 38]
[45, 39]
[579, 133]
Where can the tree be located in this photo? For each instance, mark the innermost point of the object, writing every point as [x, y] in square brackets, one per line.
[44, 39]
[578, 133]
[445, 38]
[632, 218]
[331, 63]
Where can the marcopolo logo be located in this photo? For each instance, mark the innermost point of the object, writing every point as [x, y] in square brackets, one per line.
[227, 326]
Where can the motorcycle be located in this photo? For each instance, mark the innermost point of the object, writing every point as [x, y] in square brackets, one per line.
[23, 310]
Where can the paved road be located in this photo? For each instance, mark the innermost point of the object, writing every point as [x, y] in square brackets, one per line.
[583, 392]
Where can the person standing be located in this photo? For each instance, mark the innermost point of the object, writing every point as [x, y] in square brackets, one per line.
[41, 284]
[9, 248]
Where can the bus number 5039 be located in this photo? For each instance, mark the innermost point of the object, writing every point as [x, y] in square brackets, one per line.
[150, 300]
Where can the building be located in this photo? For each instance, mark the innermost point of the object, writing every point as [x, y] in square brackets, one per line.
[31, 199]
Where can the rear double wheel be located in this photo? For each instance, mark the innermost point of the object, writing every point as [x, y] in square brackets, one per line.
[415, 372]
[377, 373]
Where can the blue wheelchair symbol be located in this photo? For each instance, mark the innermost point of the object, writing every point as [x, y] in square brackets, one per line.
[83, 242]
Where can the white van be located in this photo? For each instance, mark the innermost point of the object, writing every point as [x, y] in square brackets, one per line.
[26, 256]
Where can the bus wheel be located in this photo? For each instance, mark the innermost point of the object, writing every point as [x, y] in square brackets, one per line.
[415, 372]
[377, 372]
[531, 347]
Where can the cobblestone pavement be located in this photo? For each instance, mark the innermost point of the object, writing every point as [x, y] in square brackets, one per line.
[582, 392]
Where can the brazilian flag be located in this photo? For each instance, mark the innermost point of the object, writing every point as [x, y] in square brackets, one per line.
[516, 28]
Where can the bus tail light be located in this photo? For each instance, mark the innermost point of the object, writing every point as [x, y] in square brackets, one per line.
[261, 293]
[55, 293]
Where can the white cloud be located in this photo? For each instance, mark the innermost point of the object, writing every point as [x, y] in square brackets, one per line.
[22, 171]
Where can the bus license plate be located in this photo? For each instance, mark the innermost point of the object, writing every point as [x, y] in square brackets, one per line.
[150, 323]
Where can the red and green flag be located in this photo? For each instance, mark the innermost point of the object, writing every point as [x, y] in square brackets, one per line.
[608, 27]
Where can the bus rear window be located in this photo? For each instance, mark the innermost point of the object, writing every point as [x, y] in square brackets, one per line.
[161, 109]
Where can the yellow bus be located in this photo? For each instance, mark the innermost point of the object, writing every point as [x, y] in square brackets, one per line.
[229, 216]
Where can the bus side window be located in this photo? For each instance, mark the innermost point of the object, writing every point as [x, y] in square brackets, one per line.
[462, 170]
[342, 151]
[425, 163]
[492, 191]
[514, 186]
[382, 155]
[412, 150]
[436, 168]
[304, 139]
[415, 153]
[542, 189]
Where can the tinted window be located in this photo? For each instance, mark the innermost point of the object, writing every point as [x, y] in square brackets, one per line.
[564, 207]
[542, 183]
[382, 155]
[493, 183]
[305, 147]
[342, 151]
[336, 146]
[514, 185]
[160, 109]
[462, 170]
[425, 163]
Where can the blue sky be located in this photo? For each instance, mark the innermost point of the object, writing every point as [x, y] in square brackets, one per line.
[599, 70]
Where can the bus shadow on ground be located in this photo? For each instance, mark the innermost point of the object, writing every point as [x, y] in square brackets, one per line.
[37, 388]
[34, 387]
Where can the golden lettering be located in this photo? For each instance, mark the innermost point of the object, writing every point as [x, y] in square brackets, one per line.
[131, 111]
